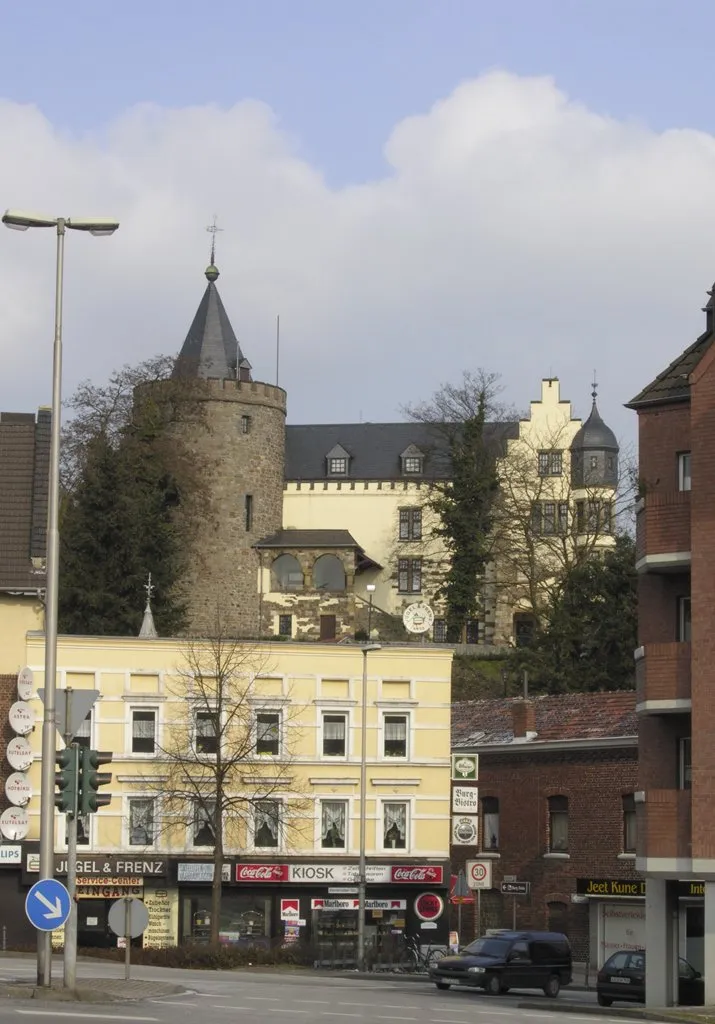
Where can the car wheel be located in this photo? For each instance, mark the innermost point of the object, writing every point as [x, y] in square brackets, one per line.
[493, 986]
[604, 1000]
[504, 989]
[552, 987]
[442, 985]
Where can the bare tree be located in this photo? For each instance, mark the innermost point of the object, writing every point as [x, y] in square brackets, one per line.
[224, 770]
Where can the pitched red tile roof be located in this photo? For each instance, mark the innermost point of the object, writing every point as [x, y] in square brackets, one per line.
[570, 716]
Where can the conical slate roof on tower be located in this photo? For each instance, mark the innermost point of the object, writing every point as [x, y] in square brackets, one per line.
[211, 348]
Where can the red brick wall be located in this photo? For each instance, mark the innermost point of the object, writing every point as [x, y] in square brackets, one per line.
[658, 606]
[658, 737]
[662, 433]
[594, 782]
[8, 696]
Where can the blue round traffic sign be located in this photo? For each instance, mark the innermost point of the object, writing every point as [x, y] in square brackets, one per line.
[48, 905]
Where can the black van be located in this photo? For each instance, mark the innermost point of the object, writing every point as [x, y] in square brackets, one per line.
[507, 960]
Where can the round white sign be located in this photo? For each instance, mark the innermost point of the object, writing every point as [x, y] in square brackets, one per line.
[14, 823]
[22, 718]
[418, 618]
[25, 684]
[17, 789]
[465, 830]
[19, 753]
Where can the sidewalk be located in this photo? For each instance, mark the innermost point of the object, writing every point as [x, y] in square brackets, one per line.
[91, 990]
[671, 1014]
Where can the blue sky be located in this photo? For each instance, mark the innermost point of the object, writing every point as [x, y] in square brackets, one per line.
[416, 187]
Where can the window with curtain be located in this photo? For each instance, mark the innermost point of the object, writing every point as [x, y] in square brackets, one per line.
[490, 823]
[334, 735]
[395, 741]
[558, 824]
[143, 732]
[203, 832]
[333, 823]
[268, 732]
[206, 732]
[629, 823]
[141, 821]
[395, 826]
[266, 827]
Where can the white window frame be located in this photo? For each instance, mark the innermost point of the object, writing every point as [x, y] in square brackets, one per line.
[685, 477]
[190, 844]
[338, 850]
[380, 824]
[345, 714]
[130, 738]
[61, 834]
[683, 618]
[195, 712]
[281, 737]
[128, 821]
[394, 713]
[281, 825]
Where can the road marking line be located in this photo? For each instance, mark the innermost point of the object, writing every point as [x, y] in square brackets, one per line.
[80, 1016]
[217, 1006]
[336, 1013]
[323, 1002]
[378, 1017]
[264, 999]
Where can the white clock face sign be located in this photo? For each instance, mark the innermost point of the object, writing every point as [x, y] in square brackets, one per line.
[418, 618]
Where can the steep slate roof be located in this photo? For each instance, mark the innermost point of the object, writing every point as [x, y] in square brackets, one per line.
[594, 434]
[374, 448]
[24, 481]
[673, 384]
[570, 716]
[309, 539]
[211, 348]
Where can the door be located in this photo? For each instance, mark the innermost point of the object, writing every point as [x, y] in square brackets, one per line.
[327, 627]
[615, 980]
[519, 972]
[92, 927]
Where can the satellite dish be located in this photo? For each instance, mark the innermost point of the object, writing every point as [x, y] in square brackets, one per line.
[19, 753]
[18, 789]
[22, 718]
[14, 823]
[25, 684]
[418, 618]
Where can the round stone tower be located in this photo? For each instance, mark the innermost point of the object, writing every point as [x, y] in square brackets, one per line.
[237, 444]
[594, 453]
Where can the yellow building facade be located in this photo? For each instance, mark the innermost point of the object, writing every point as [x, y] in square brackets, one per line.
[292, 823]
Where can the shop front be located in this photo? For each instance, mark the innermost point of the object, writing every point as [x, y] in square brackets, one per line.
[617, 917]
[245, 916]
[317, 904]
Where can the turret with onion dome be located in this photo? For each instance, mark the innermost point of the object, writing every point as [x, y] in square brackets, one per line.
[594, 452]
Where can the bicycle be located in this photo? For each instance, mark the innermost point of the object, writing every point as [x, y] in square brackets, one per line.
[415, 959]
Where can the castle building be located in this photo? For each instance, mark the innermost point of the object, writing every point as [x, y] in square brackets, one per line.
[319, 531]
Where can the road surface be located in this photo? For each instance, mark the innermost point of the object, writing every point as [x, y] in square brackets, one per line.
[280, 998]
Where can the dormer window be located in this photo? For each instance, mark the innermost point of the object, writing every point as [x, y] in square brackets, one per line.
[413, 461]
[338, 461]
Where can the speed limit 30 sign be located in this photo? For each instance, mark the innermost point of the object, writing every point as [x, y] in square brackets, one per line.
[479, 874]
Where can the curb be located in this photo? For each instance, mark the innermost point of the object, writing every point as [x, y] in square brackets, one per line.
[29, 990]
[669, 1014]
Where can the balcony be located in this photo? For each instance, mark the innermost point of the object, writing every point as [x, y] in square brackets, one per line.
[664, 825]
[663, 532]
[663, 678]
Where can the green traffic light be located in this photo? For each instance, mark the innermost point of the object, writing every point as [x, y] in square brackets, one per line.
[89, 799]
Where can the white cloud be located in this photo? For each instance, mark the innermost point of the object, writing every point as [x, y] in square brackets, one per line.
[514, 230]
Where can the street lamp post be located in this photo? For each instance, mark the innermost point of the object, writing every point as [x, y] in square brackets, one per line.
[371, 590]
[366, 649]
[20, 221]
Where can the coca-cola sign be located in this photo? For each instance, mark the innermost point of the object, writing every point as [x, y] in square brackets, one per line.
[419, 873]
[261, 872]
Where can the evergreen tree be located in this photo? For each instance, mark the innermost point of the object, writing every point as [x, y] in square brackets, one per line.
[588, 641]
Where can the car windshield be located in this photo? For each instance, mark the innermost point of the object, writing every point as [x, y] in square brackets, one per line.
[487, 947]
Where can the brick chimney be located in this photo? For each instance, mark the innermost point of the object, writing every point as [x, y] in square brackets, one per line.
[523, 714]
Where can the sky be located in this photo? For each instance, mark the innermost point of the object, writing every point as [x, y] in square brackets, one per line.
[417, 188]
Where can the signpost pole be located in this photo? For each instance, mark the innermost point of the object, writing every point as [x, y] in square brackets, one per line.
[127, 936]
[70, 943]
[513, 914]
[479, 913]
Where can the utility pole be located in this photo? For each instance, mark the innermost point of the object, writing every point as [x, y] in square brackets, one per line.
[70, 944]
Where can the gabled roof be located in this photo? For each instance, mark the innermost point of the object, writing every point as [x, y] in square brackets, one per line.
[375, 449]
[569, 716]
[309, 539]
[24, 472]
[211, 348]
[673, 384]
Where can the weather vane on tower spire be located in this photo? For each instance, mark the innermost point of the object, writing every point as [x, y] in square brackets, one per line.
[594, 385]
[213, 231]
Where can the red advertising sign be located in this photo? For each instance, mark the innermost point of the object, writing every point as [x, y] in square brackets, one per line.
[261, 872]
[425, 873]
[429, 906]
[290, 910]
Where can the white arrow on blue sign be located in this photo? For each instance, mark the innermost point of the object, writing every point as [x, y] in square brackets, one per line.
[47, 905]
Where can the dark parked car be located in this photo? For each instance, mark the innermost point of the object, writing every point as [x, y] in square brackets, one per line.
[507, 960]
[622, 978]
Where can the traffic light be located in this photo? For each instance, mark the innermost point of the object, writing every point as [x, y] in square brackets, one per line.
[90, 800]
[67, 780]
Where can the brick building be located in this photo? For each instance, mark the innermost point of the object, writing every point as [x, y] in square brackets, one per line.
[676, 563]
[556, 781]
